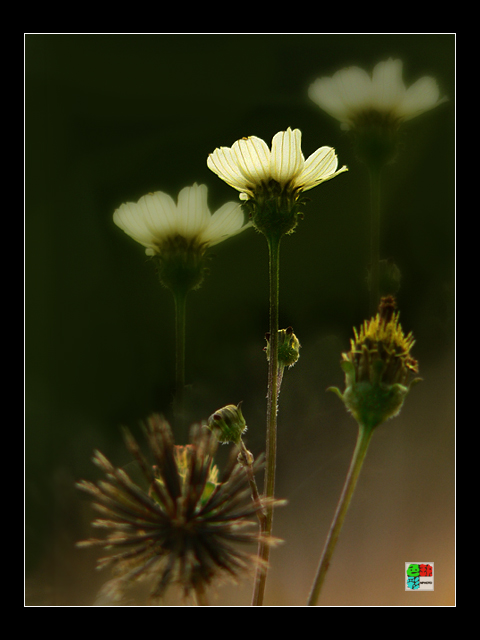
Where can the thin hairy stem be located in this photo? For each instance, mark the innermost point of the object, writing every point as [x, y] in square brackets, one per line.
[272, 396]
[363, 440]
[247, 461]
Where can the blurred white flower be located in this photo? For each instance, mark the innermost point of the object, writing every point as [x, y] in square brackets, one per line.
[354, 98]
[156, 222]
[250, 167]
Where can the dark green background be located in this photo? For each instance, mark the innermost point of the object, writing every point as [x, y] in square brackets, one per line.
[112, 117]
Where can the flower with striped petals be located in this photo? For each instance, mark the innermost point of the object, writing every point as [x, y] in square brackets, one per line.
[271, 181]
[374, 107]
[352, 96]
[178, 234]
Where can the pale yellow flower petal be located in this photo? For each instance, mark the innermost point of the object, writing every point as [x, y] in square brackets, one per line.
[283, 166]
[320, 166]
[353, 86]
[286, 158]
[253, 159]
[388, 89]
[351, 93]
[225, 222]
[158, 212]
[126, 217]
[223, 162]
[423, 95]
[193, 214]
[152, 217]
[155, 219]
[325, 94]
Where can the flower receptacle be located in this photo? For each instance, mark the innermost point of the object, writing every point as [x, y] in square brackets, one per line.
[181, 264]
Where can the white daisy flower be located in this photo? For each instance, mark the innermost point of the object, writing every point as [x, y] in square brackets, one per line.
[156, 222]
[253, 169]
[354, 98]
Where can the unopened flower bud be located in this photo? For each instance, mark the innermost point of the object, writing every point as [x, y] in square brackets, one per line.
[288, 347]
[228, 423]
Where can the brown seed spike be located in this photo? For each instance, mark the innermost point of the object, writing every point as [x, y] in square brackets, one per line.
[386, 308]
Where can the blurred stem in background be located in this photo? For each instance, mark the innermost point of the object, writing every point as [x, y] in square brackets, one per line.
[375, 174]
[180, 298]
[178, 236]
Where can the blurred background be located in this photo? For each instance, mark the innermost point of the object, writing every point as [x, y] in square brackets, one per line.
[110, 118]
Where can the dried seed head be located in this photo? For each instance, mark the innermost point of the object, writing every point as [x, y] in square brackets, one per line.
[187, 528]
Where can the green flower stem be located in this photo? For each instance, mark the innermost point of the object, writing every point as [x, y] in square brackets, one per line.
[247, 461]
[271, 441]
[375, 172]
[363, 440]
[180, 298]
[281, 369]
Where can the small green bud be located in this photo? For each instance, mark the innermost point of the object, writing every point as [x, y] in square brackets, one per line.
[228, 423]
[288, 347]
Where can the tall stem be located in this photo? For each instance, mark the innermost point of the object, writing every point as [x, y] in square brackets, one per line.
[271, 441]
[363, 440]
[180, 316]
[247, 462]
[374, 238]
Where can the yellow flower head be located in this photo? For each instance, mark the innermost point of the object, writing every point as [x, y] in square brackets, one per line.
[381, 339]
[378, 367]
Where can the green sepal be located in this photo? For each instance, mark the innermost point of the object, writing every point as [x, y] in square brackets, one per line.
[336, 391]
[349, 369]
[372, 404]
